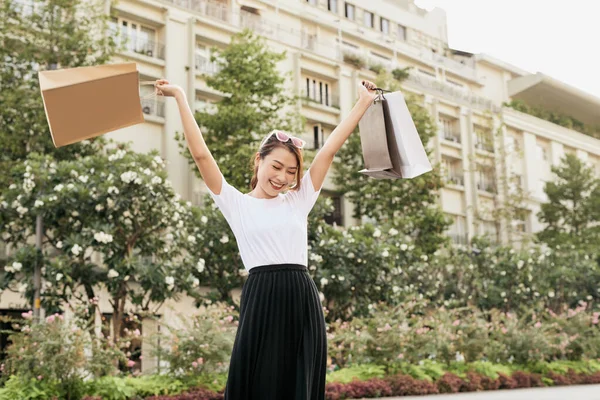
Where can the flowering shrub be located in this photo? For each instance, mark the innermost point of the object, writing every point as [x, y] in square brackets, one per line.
[58, 355]
[204, 345]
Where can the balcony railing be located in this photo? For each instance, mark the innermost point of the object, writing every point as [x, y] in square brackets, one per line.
[456, 180]
[154, 106]
[205, 66]
[459, 238]
[482, 145]
[451, 136]
[451, 92]
[489, 187]
[143, 46]
[333, 100]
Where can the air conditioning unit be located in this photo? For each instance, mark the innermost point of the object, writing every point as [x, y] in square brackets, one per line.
[146, 110]
[149, 53]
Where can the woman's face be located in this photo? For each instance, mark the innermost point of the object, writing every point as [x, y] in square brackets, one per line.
[277, 171]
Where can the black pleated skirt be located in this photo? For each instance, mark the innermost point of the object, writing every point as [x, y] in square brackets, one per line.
[280, 348]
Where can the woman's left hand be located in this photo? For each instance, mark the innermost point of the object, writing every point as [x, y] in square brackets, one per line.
[366, 90]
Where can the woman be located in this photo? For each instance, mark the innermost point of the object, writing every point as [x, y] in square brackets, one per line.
[280, 349]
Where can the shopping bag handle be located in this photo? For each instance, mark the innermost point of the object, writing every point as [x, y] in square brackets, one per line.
[149, 95]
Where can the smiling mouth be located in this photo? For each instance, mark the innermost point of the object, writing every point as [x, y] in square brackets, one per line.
[274, 186]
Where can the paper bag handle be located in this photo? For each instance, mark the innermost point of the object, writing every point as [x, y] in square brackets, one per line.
[150, 95]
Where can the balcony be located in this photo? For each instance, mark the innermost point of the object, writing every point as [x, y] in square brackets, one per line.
[488, 187]
[451, 136]
[459, 238]
[450, 92]
[204, 66]
[485, 146]
[455, 179]
[141, 45]
[154, 107]
[332, 101]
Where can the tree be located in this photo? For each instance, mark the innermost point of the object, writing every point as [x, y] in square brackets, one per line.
[112, 220]
[254, 103]
[409, 205]
[572, 213]
[38, 35]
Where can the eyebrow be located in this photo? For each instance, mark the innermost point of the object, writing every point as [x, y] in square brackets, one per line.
[284, 165]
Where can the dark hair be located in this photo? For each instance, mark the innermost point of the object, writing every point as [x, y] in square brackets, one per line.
[271, 144]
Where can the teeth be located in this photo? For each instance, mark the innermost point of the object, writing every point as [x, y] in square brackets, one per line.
[274, 184]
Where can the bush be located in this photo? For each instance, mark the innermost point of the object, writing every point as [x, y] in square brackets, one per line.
[203, 346]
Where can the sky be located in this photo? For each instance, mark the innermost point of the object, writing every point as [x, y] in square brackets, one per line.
[558, 38]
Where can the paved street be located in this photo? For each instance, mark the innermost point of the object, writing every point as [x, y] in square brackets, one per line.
[583, 392]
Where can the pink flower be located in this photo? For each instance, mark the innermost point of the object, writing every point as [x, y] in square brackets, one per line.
[401, 356]
[50, 319]
[130, 363]
[456, 323]
[201, 361]
[504, 330]
[195, 364]
[27, 315]
[141, 357]
[538, 324]
[39, 377]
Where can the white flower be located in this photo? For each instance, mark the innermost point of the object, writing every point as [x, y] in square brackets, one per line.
[424, 257]
[196, 282]
[191, 239]
[126, 214]
[137, 181]
[109, 202]
[58, 187]
[403, 247]
[22, 288]
[341, 278]
[99, 207]
[83, 178]
[169, 280]
[395, 289]
[17, 266]
[112, 190]
[200, 265]
[157, 180]
[59, 276]
[203, 219]
[147, 171]
[503, 294]
[169, 236]
[112, 273]
[377, 233]
[59, 244]
[102, 237]
[76, 249]
[385, 253]
[324, 281]
[75, 214]
[12, 186]
[38, 203]
[393, 232]
[128, 176]
[22, 210]
[117, 155]
[158, 160]
[520, 264]
[551, 294]
[224, 239]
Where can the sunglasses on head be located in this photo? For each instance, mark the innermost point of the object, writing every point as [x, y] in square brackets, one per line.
[284, 137]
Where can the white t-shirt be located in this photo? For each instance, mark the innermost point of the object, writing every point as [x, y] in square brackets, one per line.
[269, 231]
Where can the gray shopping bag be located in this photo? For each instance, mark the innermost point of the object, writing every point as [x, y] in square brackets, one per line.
[391, 145]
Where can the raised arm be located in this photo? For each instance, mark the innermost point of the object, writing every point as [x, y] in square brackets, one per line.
[324, 158]
[200, 153]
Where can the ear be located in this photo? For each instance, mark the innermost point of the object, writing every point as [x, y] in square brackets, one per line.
[257, 159]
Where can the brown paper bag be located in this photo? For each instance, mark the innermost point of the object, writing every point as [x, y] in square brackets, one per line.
[391, 145]
[86, 102]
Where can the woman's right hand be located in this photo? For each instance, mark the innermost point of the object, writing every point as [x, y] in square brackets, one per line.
[164, 88]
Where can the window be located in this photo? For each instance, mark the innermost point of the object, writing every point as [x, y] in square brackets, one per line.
[332, 5]
[349, 11]
[458, 230]
[336, 217]
[317, 91]
[401, 32]
[520, 221]
[449, 129]
[486, 180]
[317, 137]
[369, 19]
[385, 26]
[138, 38]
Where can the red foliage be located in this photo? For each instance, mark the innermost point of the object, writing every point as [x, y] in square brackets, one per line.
[449, 383]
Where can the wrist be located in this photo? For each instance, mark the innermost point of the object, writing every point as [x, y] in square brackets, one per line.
[180, 94]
